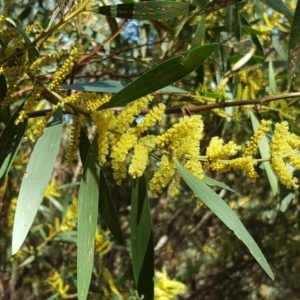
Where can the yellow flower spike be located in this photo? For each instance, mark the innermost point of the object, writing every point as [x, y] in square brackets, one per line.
[183, 138]
[246, 164]
[110, 282]
[128, 114]
[279, 147]
[104, 120]
[119, 171]
[140, 157]
[155, 115]
[11, 212]
[195, 167]
[166, 288]
[256, 138]
[42, 61]
[56, 283]
[64, 70]
[122, 147]
[74, 139]
[162, 176]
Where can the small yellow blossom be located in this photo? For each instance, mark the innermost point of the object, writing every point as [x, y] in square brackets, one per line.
[102, 245]
[110, 282]
[246, 164]
[51, 189]
[56, 283]
[166, 288]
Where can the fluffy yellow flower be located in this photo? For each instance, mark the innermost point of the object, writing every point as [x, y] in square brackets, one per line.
[57, 284]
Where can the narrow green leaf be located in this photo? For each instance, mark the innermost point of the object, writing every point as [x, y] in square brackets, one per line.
[10, 141]
[36, 178]
[225, 213]
[216, 5]
[4, 107]
[294, 45]
[147, 10]
[162, 75]
[108, 211]
[264, 150]
[87, 220]
[142, 248]
[279, 6]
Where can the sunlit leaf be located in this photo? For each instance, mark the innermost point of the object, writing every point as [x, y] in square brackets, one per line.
[213, 182]
[36, 178]
[88, 200]
[142, 248]
[225, 213]
[162, 75]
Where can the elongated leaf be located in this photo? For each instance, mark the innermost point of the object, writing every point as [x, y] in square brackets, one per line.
[36, 178]
[162, 75]
[87, 220]
[108, 211]
[264, 150]
[142, 248]
[294, 44]
[279, 6]
[10, 141]
[147, 10]
[225, 213]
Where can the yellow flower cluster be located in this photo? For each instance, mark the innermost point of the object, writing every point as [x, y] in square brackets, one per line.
[64, 70]
[56, 283]
[284, 151]
[166, 288]
[108, 279]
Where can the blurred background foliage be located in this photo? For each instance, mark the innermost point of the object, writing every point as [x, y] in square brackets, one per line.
[191, 244]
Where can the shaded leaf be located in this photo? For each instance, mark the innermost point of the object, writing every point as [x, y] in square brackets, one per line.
[142, 248]
[10, 141]
[88, 199]
[224, 212]
[147, 10]
[108, 211]
[36, 178]
[162, 75]
[216, 5]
